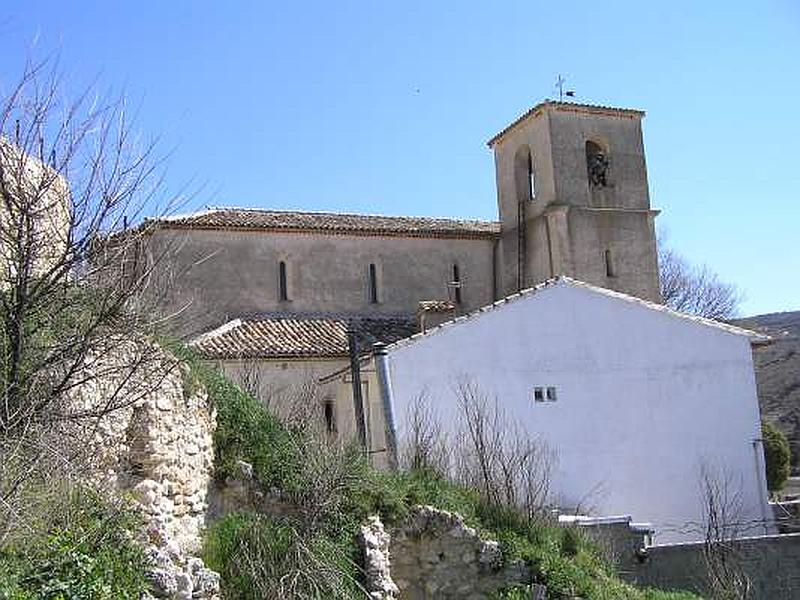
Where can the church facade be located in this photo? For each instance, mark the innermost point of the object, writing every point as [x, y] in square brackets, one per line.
[573, 200]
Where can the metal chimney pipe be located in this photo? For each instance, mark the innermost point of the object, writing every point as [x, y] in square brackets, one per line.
[381, 357]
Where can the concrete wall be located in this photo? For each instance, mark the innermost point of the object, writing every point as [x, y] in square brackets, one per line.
[770, 563]
[220, 275]
[645, 399]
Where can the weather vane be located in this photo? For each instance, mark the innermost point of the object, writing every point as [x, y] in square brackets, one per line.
[560, 81]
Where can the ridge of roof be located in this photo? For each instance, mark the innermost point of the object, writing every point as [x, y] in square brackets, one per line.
[304, 220]
[221, 330]
[565, 106]
[272, 315]
[561, 280]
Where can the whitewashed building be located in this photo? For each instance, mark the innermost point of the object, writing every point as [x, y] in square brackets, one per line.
[635, 399]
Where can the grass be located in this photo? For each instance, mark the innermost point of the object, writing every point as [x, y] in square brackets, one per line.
[84, 547]
[569, 564]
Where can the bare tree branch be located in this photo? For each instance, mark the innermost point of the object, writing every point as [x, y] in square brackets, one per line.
[73, 273]
[695, 290]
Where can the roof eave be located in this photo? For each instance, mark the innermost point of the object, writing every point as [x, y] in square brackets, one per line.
[565, 107]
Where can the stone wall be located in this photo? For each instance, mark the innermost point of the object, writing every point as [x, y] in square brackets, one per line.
[433, 554]
[155, 444]
[225, 274]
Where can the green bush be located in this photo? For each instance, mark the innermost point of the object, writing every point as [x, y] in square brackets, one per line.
[568, 563]
[245, 429]
[260, 557]
[86, 551]
[777, 456]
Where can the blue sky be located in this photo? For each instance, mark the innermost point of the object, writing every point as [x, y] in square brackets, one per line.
[385, 107]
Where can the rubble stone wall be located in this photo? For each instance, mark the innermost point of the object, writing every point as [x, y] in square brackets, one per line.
[155, 445]
[433, 554]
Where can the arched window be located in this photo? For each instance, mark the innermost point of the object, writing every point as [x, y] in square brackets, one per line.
[283, 282]
[457, 284]
[609, 258]
[596, 164]
[373, 284]
[525, 174]
[531, 178]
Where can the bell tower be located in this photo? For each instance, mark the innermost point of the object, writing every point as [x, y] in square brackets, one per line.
[573, 199]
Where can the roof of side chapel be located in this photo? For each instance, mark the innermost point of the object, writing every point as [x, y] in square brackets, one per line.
[278, 335]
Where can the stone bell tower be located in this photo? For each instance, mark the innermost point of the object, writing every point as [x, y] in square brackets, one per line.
[573, 199]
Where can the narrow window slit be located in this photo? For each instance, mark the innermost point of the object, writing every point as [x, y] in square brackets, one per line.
[457, 284]
[609, 264]
[330, 417]
[283, 289]
[373, 284]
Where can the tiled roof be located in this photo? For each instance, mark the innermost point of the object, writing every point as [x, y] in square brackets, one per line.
[756, 338]
[334, 223]
[298, 336]
[436, 306]
[565, 106]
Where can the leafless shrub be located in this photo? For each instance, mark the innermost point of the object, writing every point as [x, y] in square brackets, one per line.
[249, 377]
[425, 446]
[723, 525]
[508, 466]
[695, 290]
[300, 406]
[72, 178]
[331, 467]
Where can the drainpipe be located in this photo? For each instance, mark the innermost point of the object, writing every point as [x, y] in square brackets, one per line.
[758, 450]
[381, 356]
[495, 253]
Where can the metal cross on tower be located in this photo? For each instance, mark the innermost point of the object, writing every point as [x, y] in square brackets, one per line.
[560, 81]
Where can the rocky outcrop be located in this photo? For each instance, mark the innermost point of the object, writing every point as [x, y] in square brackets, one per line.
[778, 374]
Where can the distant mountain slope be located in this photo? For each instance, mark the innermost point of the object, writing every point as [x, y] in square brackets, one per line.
[778, 374]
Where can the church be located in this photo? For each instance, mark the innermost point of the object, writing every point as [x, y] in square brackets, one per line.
[554, 309]
[285, 287]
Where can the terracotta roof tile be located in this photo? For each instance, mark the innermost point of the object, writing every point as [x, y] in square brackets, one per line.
[335, 223]
[298, 336]
[436, 306]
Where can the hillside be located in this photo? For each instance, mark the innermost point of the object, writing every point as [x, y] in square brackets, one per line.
[778, 374]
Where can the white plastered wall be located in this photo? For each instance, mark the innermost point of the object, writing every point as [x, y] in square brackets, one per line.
[645, 399]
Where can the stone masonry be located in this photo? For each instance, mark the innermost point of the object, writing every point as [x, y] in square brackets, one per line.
[433, 554]
[156, 446]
